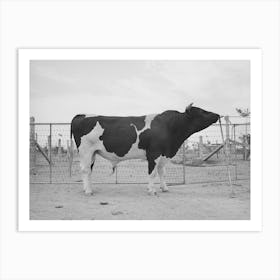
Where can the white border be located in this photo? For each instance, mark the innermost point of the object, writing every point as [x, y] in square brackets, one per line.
[254, 55]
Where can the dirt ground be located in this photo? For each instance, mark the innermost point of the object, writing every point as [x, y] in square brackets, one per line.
[208, 201]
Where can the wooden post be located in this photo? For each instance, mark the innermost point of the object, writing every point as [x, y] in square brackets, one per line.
[70, 155]
[184, 161]
[246, 142]
[235, 151]
[245, 154]
[227, 154]
[50, 152]
[49, 146]
[32, 146]
[59, 148]
[200, 147]
[217, 154]
[227, 135]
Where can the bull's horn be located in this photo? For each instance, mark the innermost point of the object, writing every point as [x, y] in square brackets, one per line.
[189, 107]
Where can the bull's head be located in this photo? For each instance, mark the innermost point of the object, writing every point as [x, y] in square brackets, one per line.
[198, 119]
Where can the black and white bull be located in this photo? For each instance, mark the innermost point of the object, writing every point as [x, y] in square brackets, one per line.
[155, 138]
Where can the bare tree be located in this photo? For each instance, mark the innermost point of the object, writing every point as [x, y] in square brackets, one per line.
[243, 112]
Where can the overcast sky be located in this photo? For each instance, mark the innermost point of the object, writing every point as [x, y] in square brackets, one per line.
[61, 89]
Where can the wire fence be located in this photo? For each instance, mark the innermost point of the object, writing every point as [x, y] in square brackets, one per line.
[201, 159]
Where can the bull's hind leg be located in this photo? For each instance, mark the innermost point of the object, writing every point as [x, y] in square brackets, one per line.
[152, 175]
[157, 166]
[87, 157]
[161, 172]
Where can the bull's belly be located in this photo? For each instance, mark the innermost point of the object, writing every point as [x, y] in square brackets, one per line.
[133, 153]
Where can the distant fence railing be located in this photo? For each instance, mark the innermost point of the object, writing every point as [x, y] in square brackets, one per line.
[54, 157]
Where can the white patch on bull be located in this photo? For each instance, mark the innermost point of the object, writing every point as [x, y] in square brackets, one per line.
[135, 152]
[92, 143]
[148, 121]
[89, 144]
[92, 138]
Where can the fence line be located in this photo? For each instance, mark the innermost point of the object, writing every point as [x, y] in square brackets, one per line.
[54, 158]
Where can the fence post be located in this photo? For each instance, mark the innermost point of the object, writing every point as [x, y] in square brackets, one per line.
[184, 162]
[228, 155]
[200, 147]
[59, 147]
[235, 151]
[246, 142]
[227, 135]
[70, 155]
[50, 152]
[49, 146]
[32, 146]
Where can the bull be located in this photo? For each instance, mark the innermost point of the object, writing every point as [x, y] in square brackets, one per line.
[155, 138]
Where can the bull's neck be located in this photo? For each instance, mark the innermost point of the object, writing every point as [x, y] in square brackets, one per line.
[185, 130]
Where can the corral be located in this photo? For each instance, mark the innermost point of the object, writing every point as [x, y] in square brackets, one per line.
[197, 177]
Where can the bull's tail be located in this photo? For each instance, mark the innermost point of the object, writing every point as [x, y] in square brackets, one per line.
[75, 123]
[72, 128]
[71, 135]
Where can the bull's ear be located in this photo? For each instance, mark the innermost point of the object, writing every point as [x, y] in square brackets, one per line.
[188, 108]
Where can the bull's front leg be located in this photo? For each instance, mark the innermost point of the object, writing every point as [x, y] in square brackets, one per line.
[86, 161]
[86, 172]
[152, 175]
[161, 172]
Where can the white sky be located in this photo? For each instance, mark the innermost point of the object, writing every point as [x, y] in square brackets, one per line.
[61, 89]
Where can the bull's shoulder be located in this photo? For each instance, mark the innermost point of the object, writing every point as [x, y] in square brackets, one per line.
[167, 120]
[166, 134]
[155, 132]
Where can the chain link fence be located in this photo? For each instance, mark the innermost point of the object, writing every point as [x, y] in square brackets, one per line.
[54, 157]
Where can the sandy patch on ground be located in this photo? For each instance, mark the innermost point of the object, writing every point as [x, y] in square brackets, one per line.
[209, 201]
